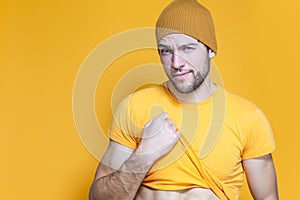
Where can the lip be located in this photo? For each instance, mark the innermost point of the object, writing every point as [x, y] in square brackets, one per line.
[181, 75]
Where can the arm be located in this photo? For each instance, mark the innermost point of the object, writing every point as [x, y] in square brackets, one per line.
[261, 177]
[119, 174]
[122, 169]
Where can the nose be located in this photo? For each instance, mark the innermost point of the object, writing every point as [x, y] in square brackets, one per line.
[177, 61]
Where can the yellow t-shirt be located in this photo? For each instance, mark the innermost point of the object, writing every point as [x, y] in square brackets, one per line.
[217, 134]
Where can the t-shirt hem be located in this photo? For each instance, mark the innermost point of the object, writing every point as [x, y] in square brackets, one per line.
[172, 187]
[258, 154]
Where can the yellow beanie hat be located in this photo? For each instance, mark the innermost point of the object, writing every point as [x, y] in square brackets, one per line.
[188, 17]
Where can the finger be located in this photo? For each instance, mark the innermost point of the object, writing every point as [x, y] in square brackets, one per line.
[176, 135]
[148, 123]
[171, 124]
[169, 121]
[162, 116]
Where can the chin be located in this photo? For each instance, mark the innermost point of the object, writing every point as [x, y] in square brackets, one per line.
[187, 88]
[184, 89]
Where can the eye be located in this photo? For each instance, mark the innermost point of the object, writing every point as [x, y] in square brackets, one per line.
[165, 51]
[188, 49]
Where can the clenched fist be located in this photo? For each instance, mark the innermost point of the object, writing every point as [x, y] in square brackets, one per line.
[159, 136]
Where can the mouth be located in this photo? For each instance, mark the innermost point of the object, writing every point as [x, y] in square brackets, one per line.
[181, 75]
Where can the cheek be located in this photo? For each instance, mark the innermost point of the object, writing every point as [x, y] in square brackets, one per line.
[166, 60]
[198, 62]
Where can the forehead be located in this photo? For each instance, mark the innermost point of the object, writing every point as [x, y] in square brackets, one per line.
[176, 39]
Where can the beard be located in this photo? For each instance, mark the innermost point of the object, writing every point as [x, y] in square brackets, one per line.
[188, 86]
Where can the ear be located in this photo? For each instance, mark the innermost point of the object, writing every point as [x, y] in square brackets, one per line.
[211, 53]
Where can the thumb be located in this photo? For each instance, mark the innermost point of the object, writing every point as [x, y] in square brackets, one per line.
[160, 117]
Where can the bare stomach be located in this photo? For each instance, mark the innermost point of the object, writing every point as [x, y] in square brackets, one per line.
[187, 194]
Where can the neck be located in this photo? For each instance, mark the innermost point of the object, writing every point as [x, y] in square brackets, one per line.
[203, 92]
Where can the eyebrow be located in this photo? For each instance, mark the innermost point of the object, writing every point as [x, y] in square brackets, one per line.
[164, 45]
[189, 44]
[181, 46]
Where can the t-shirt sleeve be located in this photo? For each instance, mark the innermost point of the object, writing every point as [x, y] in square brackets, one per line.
[259, 140]
[124, 129]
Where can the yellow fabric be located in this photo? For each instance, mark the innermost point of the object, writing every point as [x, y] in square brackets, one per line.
[245, 133]
[188, 17]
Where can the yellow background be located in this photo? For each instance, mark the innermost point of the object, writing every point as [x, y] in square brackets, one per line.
[43, 43]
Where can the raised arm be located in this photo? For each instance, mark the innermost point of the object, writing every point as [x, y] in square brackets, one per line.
[261, 177]
[122, 169]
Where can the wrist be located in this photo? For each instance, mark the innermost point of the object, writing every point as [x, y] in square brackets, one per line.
[138, 163]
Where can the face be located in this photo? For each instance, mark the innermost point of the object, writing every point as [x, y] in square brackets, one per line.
[186, 61]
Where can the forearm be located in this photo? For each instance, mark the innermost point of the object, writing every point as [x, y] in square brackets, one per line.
[159, 136]
[123, 183]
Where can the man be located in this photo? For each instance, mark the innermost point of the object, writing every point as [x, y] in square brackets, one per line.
[187, 138]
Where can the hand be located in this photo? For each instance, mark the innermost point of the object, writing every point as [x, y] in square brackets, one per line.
[159, 136]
